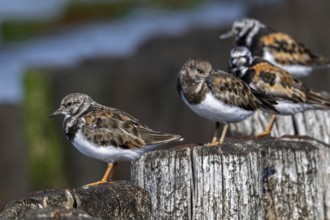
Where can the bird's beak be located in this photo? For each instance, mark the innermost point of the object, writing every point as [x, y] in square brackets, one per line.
[208, 81]
[57, 112]
[226, 35]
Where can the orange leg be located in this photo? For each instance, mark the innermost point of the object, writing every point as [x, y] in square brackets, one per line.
[268, 128]
[224, 132]
[107, 175]
[216, 133]
[215, 141]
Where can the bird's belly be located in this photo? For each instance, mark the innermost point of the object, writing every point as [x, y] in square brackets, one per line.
[108, 154]
[215, 110]
[289, 108]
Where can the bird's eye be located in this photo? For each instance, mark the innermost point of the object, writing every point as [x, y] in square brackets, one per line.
[200, 71]
[69, 103]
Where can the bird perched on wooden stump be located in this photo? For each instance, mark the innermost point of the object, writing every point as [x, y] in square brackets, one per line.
[217, 96]
[291, 95]
[107, 134]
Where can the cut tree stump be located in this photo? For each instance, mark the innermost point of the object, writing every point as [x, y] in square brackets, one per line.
[313, 123]
[116, 200]
[268, 178]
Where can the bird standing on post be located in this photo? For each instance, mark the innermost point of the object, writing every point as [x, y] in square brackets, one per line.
[291, 95]
[217, 96]
[106, 133]
[276, 47]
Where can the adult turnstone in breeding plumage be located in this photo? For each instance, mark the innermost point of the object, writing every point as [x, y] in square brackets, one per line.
[276, 47]
[106, 133]
[291, 95]
[217, 96]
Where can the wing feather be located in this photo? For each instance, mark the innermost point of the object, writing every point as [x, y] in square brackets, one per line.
[289, 51]
[276, 82]
[109, 126]
[232, 90]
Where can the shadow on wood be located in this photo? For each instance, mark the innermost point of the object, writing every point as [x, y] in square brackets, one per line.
[242, 179]
[117, 200]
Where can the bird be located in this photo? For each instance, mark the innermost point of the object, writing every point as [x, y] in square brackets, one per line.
[290, 94]
[105, 133]
[217, 96]
[276, 47]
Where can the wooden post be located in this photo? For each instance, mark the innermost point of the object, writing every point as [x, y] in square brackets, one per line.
[242, 179]
[313, 123]
[167, 175]
[116, 200]
[226, 182]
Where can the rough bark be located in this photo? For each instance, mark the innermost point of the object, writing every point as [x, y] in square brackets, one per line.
[242, 179]
[227, 182]
[324, 170]
[167, 175]
[314, 123]
[117, 200]
[291, 179]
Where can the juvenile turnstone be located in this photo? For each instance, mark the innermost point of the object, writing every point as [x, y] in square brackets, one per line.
[276, 47]
[106, 133]
[291, 95]
[217, 96]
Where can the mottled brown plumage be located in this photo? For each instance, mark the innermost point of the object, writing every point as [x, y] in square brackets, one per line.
[291, 95]
[276, 82]
[106, 133]
[286, 50]
[276, 47]
[233, 91]
[108, 126]
[217, 96]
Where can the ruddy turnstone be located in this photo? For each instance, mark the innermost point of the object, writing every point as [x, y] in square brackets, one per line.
[291, 95]
[106, 133]
[276, 47]
[217, 96]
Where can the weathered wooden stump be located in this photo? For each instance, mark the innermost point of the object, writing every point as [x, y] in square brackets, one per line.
[242, 179]
[117, 200]
[314, 123]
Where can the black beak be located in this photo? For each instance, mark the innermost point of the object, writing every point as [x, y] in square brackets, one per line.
[208, 82]
[57, 112]
[226, 35]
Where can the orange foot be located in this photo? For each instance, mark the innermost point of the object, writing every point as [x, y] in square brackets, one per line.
[264, 134]
[97, 183]
[213, 144]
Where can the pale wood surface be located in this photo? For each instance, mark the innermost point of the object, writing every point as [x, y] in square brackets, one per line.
[243, 179]
[226, 182]
[167, 175]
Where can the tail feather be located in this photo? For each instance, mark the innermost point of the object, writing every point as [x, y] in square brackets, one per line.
[155, 140]
[155, 137]
[322, 65]
[318, 99]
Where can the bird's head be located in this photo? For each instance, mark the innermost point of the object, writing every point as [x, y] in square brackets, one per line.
[240, 59]
[73, 104]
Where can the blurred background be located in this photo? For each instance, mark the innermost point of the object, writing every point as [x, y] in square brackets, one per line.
[124, 54]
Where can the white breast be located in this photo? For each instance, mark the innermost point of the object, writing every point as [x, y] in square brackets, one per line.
[108, 154]
[289, 108]
[216, 110]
